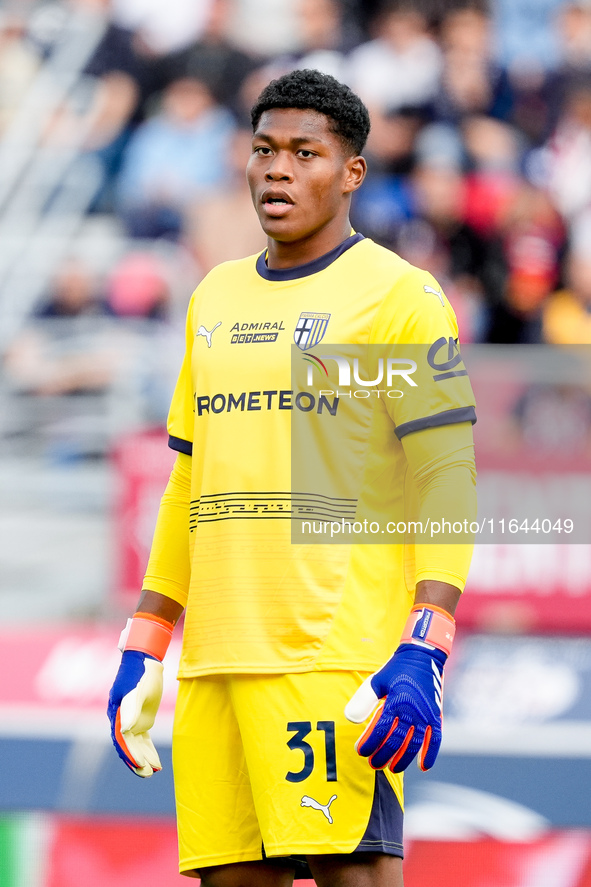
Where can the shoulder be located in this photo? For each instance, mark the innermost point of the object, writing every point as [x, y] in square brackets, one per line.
[233, 269]
[384, 266]
[414, 307]
[226, 275]
[407, 290]
[401, 281]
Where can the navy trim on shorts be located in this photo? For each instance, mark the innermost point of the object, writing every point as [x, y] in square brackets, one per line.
[307, 268]
[384, 829]
[382, 835]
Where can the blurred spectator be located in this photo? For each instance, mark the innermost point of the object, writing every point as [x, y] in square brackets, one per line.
[121, 83]
[18, 65]
[130, 66]
[363, 13]
[396, 74]
[454, 119]
[79, 343]
[98, 114]
[60, 353]
[386, 199]
[325, 38]
[471, 82]
[574, 28]
[325, 26]
[528, 49]
[264, 27]
[402, 65]
[55, 360]
[176, 156]
[533, 237]
[73, 293]
[225, 226]
[468, 265]
[119, 73]
[531, 106]
[568, 154]
[495, 152]
[567, 313]
[574, 32]
[214, 59]
[525, 34]
[163, 27]
[138, 287]
[492, 145]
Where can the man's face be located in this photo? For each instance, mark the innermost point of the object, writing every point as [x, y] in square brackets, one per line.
[298, 173]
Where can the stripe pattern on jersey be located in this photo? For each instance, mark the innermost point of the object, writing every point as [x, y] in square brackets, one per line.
[270, 506]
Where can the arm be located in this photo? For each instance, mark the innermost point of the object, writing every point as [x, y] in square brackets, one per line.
[408, 721]
[434, 593]
[157, 604]
[441, 461]
[136, 693]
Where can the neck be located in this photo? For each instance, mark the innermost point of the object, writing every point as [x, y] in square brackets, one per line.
[289, 254]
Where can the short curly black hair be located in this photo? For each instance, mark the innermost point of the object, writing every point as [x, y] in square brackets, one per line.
[308, 89]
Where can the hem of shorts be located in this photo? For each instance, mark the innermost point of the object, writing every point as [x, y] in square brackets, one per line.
[387, 847]
[390, 848]
[188, 673]
[220, 859]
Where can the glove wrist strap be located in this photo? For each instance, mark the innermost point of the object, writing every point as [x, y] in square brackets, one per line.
[147, 633]
[430, 627]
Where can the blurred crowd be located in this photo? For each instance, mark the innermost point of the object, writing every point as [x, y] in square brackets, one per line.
[479, 154]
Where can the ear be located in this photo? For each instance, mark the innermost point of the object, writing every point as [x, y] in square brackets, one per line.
[355, 170]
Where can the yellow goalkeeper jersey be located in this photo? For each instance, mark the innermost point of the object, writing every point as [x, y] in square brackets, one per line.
[257, 602]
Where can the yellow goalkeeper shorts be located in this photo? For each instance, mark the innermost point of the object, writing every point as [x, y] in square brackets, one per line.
[265, 767]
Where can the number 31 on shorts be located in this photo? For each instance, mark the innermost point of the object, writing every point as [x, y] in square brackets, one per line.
[298, 742]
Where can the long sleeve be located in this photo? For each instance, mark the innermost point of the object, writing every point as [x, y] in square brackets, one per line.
[442, 463]
[169, 570]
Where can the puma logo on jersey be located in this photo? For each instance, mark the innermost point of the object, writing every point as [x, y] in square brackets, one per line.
[207, 333]
[438, 293]
[310, 802]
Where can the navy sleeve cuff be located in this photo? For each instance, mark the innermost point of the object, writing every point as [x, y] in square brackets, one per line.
[447, 417]
[180, 445]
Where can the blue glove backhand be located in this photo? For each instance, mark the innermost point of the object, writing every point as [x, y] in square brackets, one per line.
[409, 719]
[133, 703]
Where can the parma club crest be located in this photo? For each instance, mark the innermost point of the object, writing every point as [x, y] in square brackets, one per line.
[310, 329]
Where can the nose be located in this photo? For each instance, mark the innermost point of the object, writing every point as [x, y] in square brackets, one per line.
[279, 170]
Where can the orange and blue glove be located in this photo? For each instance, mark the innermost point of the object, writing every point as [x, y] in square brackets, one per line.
[407, 722]
[137, 691]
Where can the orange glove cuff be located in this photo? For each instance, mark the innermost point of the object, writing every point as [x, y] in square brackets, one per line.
[149, 634]
[430, 626]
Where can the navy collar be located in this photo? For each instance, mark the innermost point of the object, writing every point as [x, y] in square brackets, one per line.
[308, 268]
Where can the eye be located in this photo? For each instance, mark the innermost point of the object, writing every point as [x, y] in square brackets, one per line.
[264, 150]
[303, 152]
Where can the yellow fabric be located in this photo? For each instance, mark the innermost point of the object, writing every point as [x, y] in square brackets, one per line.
[229, 803]
[169, 568]
[256, 602]
[442, 463]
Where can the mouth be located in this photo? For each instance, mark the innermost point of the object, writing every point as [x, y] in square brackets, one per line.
[275, 204]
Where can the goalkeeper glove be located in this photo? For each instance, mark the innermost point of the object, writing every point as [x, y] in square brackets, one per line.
[137, 691]
[408, 721]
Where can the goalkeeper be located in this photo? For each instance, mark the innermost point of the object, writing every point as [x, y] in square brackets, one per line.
[288, 649]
